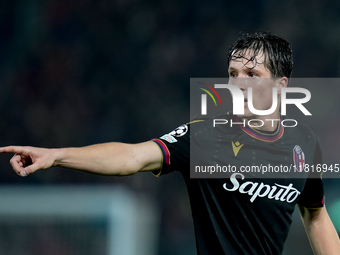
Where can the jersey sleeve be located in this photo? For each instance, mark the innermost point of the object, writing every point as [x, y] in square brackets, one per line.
[312, 195]
[175, 148]
[182, 145]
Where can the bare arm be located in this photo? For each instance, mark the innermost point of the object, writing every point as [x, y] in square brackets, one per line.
[103, 159]
[320, 230]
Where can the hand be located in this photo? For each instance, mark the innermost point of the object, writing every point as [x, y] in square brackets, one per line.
[27, 160]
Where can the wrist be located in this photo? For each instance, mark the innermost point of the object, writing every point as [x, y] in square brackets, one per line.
[59, 156]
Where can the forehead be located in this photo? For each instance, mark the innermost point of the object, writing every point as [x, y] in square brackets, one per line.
[248, 59]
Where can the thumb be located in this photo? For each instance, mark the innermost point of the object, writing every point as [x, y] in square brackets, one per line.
[30, 169]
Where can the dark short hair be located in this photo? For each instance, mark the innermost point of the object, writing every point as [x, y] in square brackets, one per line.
[278, 56]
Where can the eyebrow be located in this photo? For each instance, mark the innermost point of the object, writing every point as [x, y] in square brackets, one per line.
[254, 69]
[230, 68]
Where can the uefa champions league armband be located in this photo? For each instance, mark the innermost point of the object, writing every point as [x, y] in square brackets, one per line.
[175, 149]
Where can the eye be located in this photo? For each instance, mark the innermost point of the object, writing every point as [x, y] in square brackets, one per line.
[252, 74]
[233, 74]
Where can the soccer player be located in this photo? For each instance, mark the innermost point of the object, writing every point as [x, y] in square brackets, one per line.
[239, 214]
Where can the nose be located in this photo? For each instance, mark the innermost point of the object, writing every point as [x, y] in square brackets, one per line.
[239, 82]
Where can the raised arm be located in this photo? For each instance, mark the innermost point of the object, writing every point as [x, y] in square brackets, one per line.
[320, 230]
[103, 159]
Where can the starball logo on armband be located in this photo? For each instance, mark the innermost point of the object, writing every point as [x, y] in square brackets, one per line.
[178, 132]
[238, 101]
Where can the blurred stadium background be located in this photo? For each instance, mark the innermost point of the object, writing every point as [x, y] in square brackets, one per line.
[74, 73]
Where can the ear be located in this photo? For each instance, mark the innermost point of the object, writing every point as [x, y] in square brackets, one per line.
[281, 83]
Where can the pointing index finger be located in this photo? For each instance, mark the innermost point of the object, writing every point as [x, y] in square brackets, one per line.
[12, 149]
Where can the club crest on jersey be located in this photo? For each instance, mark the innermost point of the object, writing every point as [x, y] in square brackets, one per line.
[299, 158]
[180, 131]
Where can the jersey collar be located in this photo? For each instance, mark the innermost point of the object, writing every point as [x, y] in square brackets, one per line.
[263, 136]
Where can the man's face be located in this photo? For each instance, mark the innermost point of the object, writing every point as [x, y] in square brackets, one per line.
[244, 73]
